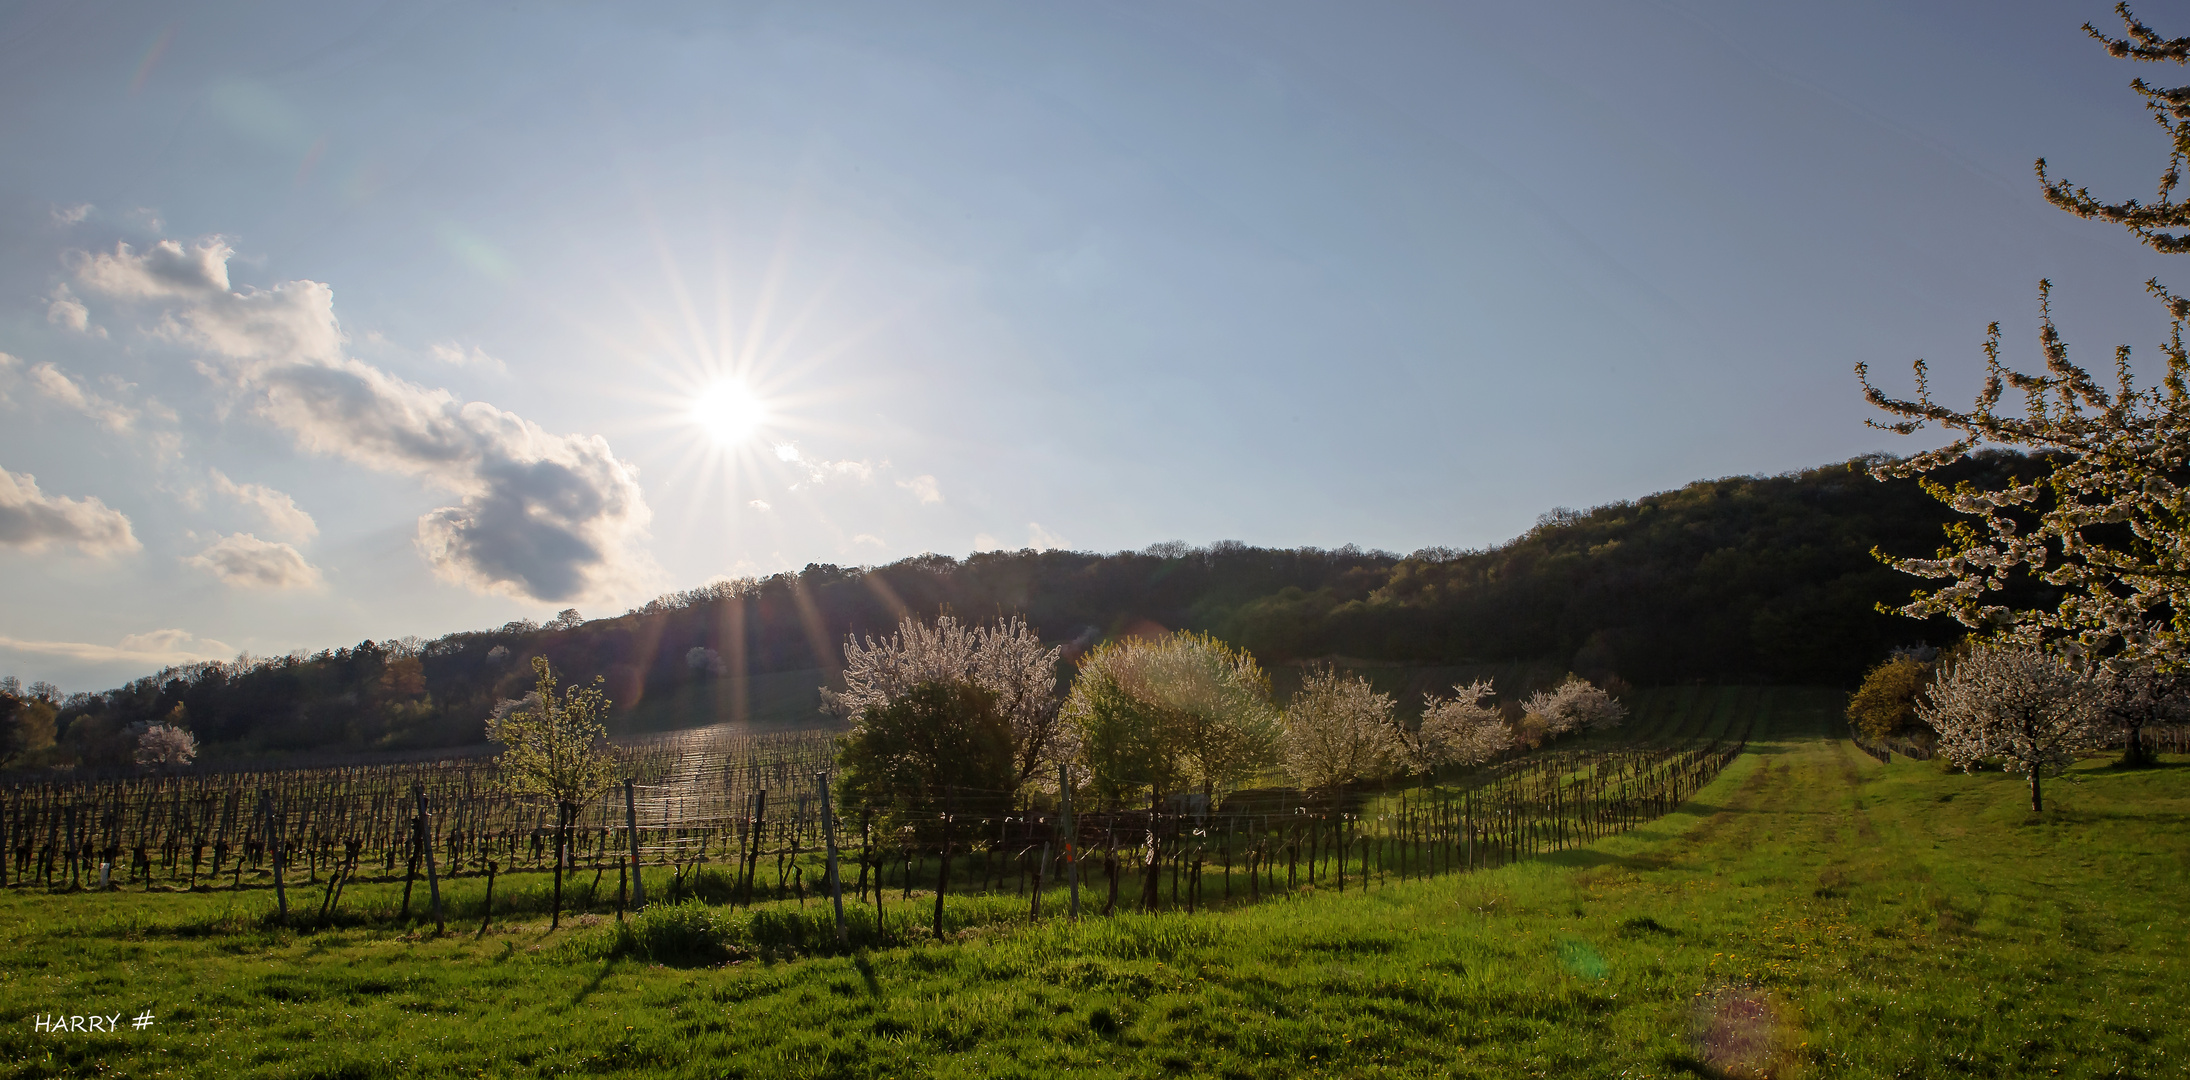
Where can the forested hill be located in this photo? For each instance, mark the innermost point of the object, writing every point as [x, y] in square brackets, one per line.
[1741, 578]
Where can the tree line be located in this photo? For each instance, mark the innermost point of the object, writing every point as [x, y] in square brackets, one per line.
[947, 717]
[1744, 578]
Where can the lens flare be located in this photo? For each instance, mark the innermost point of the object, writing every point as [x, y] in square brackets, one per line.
[729, 412]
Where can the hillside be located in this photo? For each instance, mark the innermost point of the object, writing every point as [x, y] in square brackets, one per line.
[1756, 578]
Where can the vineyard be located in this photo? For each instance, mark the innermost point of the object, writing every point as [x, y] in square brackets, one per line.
[1853, 914]
[734, 818]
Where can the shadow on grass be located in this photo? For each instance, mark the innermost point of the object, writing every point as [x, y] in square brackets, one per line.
[598, 978]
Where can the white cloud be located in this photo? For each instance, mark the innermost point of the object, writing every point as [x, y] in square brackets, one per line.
[760, 506]
[868, 538]
[455, 355]
[821, 471]
[279, 511]
[32, 521]
[247, 562]
[923, 486]
[150, 406]
[164, 269]
[293, 322]
[1042, 539]
[57, 386]
[157, 648]
[173, 641]
[549, 517]
[71, 215]
[541, 516]
[985, 542]
[67, 311]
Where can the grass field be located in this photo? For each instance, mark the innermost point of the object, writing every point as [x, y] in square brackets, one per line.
[1812, 912]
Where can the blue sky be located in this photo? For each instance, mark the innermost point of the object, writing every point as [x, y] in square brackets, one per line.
[326, 324]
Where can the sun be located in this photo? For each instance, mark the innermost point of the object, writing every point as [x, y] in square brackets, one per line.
[729, 412]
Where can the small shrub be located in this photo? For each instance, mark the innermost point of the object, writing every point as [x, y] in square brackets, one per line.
[674, 934]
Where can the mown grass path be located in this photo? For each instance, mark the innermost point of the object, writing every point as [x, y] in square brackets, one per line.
[1812, 912]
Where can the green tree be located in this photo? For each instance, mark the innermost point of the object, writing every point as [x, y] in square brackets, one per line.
[1006, 658]
[1155, 715]
[938, 745]
[26, 724]
[1885, 705]
[556, 747]
[1120, 734]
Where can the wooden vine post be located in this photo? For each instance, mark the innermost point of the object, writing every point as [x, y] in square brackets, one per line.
[943, 871]
[488, 919]
[273, 850]
[828, 833]
[631, 827]
[752, 838]
[1071, 837]
[433, 877]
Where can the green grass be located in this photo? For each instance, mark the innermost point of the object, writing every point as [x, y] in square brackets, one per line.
[1810, 913]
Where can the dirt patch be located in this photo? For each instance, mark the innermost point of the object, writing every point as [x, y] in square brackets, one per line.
[1741, 1032]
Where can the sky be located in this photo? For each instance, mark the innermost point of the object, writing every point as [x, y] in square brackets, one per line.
[325, 323]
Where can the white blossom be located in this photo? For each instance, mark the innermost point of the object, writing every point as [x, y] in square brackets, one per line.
[1464, 729]
[2118, 458]
[1338, 729]
[163, 744]
[1006, 659]
[2015, 703]
[2130, 699]
[1574, 705]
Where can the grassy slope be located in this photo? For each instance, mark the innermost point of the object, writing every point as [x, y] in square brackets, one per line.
[1814, 910]
[770, 700]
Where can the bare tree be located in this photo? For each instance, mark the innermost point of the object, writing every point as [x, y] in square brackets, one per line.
[1006, 659]
[1339, 729]
[2016, 703]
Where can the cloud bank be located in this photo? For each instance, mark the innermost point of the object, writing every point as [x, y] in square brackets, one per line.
[31, 520]
[539, 516]
[156, 648]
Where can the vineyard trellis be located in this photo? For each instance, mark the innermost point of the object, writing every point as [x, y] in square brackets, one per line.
[746, 808]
